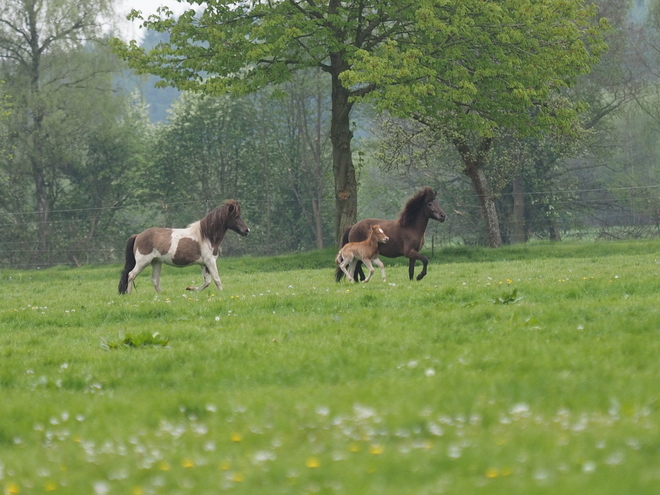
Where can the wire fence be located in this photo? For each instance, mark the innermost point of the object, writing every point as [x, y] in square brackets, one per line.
[77, 236]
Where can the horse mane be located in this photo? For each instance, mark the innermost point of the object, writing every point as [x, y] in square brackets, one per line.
[214, 225]
[415, 203]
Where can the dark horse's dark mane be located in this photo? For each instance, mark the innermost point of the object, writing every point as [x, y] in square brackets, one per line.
[211, 225]
[409, 212]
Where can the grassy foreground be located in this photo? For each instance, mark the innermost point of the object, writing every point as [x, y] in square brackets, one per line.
[532, 369]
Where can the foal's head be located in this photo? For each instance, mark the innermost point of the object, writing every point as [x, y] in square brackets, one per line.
[378, 233]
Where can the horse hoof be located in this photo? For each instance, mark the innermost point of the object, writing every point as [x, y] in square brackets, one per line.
[191, 288]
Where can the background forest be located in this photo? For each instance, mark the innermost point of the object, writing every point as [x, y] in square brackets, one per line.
[91, 153]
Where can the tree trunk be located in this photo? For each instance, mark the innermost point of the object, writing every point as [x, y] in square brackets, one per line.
[266, 169]
[518, 224]
[342, 160]
[474, 169]
[41, 190]
[36, 141]
[318, 225]
[553, 230]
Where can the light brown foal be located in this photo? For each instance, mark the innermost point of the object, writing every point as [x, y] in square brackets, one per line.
[365, 251]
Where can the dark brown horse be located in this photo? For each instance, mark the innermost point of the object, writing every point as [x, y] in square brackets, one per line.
[406, 233]
[197, 244]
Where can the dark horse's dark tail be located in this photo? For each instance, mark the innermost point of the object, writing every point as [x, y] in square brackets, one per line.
[339, 274]
[130, 264]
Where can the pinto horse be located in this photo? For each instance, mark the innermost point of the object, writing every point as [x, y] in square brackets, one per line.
[365, 251]
[406, 233]
[197, 244]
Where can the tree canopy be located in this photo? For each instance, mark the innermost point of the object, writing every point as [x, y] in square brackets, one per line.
[472, 69]
[465, 66]
[243, 46]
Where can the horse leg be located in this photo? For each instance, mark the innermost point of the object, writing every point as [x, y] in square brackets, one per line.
[351, 266]
[207, 280]
[414, 256]
[367, 262]
[156, 266]
[140, 264]
[212, 270]
[358, 272]
[379, 264]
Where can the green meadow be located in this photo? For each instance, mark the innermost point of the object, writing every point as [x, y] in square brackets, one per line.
[526, 370]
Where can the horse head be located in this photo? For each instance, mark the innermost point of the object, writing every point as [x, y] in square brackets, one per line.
[234, 220]
[423, 205]
[432, 206]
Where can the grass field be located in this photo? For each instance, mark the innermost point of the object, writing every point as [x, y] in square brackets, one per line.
[530, 369]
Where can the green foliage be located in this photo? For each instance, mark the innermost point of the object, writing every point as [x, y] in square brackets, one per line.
[268, 152]
[288, 382]
[474, 72]
[75, 141]
[477, 66]
[256, 45]
[508, 298]
[143, 339]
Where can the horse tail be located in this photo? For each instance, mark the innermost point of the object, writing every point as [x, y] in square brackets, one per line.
[339, 273]
[130, 264]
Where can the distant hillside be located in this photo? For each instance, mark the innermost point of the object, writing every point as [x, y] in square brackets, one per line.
[158, 99]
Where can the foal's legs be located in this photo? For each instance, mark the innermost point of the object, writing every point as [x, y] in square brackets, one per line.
[156, 265]
[379, 264]
[368, 264]
[358, 273]
[351, 266]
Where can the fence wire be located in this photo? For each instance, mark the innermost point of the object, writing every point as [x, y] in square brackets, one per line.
[73, 239]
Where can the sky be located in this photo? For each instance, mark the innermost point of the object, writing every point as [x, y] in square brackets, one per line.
[148, 7]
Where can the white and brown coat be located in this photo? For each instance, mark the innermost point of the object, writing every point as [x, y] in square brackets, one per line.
[197, 244]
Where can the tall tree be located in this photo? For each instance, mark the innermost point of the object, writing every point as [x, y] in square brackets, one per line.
[472, 68]
[243, 46]
[307, 146]
[43, 46]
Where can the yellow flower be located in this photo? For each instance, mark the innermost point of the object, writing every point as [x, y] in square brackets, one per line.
[238, 477]
[164, 466]
[188, 463]
[225, 465]
[354, 447]
[236, 437]
[12, 488]
[492, 473]
[312, 462]
[50, 486]
[137, 490]
[376, 449]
